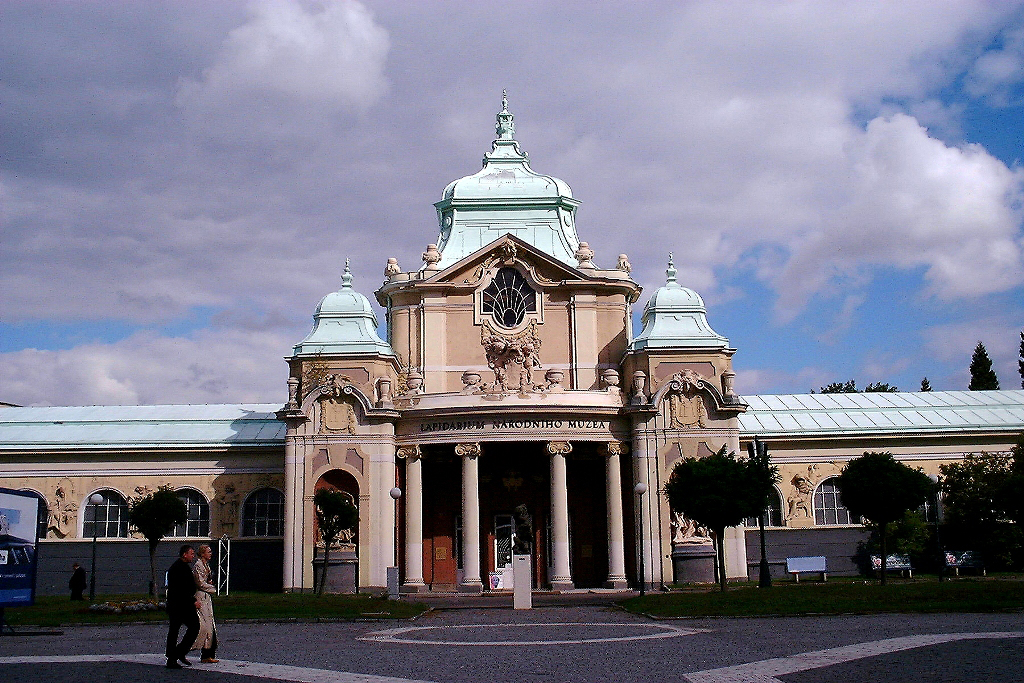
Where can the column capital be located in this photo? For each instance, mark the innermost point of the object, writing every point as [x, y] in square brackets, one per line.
[616, 448]
[467, 450]
[559, 448]
[409, 452]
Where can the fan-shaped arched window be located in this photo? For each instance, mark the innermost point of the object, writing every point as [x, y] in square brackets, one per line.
[774, 513]
[108, 518]
[828, 505]
[263, 513]
[197, 521]
[509, 298]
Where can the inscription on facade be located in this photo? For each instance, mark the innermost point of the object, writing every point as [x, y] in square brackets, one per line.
[504, 424]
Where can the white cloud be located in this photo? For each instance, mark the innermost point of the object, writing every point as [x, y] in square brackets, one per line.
[998, 70]
[211, 366]
[291, 64]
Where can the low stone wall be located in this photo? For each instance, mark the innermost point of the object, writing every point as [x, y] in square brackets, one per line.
[837, 544]
[122, 566]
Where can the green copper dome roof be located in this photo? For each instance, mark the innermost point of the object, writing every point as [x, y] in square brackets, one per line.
[343, 323]
[506, 196]
[676, 317]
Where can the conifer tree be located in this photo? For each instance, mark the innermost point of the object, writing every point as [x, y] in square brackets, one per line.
[926, 385]
[983, 377]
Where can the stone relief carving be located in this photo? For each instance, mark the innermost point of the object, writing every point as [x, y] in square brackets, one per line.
[408, 452]
[518, 353]
[336, 414]
[686, 405]
[228, 501]
[467, 450]
[617, 447]
[803, 487]
[559, 447]
[61, 514]
[685, 531]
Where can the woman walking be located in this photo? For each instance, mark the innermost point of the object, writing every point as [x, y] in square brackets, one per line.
[206, 641]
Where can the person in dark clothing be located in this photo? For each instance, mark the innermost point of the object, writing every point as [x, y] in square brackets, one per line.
[77, 582]
[182, 608]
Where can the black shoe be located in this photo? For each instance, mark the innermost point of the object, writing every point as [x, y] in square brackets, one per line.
[184, 661]
[171, 664]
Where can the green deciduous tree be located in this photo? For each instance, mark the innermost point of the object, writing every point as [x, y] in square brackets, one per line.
[334, 513]
[981, 496]
[717, 491]
[983, 377]
[155, 516]
[880, 488]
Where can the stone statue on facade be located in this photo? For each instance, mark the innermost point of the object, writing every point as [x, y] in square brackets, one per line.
[800, 503]
[685, 531]
[506, 351]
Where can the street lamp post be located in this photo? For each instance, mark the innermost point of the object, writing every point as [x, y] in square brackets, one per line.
[640, 489]
[95, 499]
[393, 572]
[938, 539]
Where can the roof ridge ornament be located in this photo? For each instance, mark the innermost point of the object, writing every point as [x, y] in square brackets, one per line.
[670, 273]
[505, 126]
[346, 277]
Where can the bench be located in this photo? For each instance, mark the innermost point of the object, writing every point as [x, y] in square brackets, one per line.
[899, 563]
[807, 565]
[963, 559]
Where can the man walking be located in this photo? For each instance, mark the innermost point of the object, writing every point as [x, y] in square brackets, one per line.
[182, 608]
[77, 582]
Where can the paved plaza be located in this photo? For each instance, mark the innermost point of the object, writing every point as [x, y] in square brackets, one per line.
[580, 643]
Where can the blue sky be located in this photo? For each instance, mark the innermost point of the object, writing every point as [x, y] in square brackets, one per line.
[181, 182]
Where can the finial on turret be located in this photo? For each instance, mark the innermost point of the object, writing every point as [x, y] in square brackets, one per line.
[346, 277]
[505, 128]
[670, 272]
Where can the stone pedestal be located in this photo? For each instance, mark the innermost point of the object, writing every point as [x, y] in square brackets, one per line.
[693, 563]
[522, 598]
[341, 574]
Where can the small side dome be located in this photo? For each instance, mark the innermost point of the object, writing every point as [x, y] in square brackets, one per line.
[344, 323]
[676, 317]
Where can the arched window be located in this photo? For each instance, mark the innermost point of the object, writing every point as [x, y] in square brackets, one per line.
[263, 513]
[44, 513]
[197, 521]
[509, 298]
[828, 505]
[107, 519]
[774, 513]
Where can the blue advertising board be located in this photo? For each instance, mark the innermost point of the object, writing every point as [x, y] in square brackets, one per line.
[19, 512]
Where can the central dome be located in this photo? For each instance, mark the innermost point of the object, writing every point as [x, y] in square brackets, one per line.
[506, 196]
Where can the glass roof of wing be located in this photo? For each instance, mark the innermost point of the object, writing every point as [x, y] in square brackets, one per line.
[883, 412]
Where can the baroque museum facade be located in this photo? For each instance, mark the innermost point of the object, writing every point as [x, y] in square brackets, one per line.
[510, 398]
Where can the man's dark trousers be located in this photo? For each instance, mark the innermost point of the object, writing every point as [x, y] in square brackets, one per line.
[181, 609]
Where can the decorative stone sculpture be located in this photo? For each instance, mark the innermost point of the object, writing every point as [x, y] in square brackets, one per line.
[554, 378]
[611, 379]
[623, 264]
[686, 405]
[293, 393]
[471, 382]
[685, 531]
[61, 514]
[800, 503]
[505, 351]
[414, 382]
[585, 256]
[430, 257]
[384, 393]
[391, 268]
[639, 380]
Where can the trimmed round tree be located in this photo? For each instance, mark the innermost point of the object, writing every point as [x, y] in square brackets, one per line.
[882, 489]
[155, 516]
[717, 491]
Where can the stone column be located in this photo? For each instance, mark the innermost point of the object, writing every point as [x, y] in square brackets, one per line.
[644, 460]
[616, 546]
[561, 578]
[413, 519]
[292, 532]
[471, 583]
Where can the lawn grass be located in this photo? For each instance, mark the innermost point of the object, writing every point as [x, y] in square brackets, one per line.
[838, 597]
[55, 611]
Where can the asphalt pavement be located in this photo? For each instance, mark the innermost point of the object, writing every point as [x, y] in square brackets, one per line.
[582, 642]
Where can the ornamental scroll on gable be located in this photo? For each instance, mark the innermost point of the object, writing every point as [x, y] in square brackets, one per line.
[336, 414]
[686, 405]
